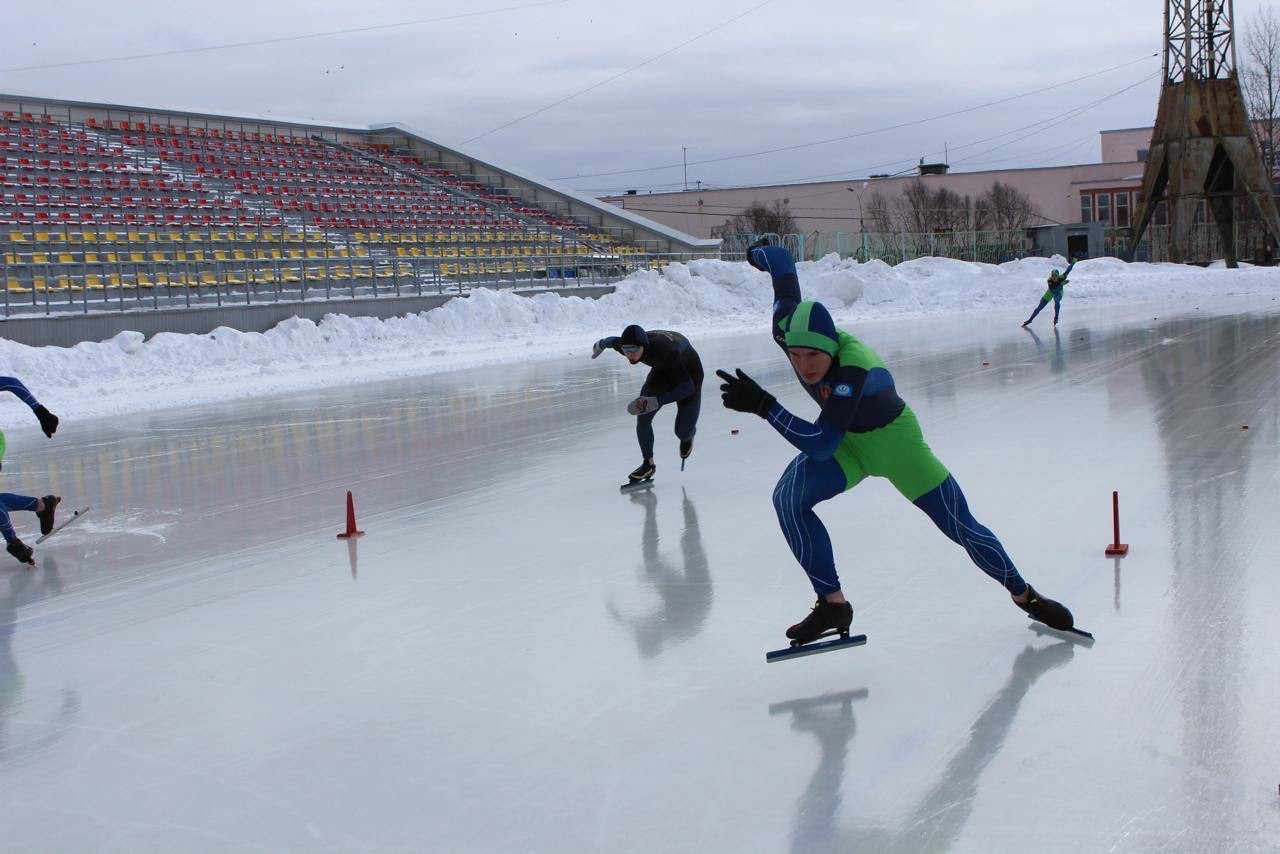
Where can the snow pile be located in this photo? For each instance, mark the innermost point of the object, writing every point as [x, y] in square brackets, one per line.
[702, 298]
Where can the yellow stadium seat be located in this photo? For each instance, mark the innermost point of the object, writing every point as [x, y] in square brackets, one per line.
[16, 287]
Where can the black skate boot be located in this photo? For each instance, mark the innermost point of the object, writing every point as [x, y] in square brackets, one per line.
[46, 515]
[686, 448]
[1053, 614]
[825, 618]
[644, 472]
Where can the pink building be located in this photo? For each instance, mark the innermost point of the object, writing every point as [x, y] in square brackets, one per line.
[1090, 192]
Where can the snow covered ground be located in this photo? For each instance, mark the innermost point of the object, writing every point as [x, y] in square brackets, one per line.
[703, 299]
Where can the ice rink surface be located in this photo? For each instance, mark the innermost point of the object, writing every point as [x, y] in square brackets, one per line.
[517, 658]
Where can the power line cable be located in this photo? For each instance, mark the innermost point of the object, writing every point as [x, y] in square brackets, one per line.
[635, 67]
[282, 39]
[1048, 123]
[861, 133]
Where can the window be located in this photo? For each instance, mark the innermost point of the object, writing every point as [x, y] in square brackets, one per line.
[1142, 155]
[1086, 207]
[1122, 210]
[1104, 207]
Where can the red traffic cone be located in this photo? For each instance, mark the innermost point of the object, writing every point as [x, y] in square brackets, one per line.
[1117, 548]
[351, 520]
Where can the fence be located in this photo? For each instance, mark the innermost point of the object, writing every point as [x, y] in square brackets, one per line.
[992, 247]
[1204, 243]
[996, 247]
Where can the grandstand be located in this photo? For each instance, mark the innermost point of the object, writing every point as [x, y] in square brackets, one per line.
[111, 207]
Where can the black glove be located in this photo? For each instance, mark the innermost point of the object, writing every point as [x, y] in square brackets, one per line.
[48, 421]
[744, 394]
[21, 551]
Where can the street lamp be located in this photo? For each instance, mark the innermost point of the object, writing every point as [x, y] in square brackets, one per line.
[858, 192]
[684, 150]
[862, 228]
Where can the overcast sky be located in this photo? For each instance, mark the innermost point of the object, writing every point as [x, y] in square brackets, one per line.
[663, 75]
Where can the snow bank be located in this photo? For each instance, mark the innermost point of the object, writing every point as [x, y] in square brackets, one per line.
[702, 298]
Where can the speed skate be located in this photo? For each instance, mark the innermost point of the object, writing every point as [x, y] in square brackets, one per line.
[799, 650]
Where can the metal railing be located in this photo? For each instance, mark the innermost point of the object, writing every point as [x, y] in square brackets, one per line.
[53, 286]
[992, 247]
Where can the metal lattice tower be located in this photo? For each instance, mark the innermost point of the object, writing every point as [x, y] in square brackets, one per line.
[1203, 148]
[1198, 42]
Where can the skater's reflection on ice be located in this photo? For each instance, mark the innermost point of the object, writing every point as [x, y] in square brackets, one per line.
[942, 812]
[684, 593]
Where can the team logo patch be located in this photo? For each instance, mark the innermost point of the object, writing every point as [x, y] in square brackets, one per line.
[843, 390]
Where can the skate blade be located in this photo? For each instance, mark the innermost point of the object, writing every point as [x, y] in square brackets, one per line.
[64, 523]
[814, 648]
[636, 487]
[1076, 636]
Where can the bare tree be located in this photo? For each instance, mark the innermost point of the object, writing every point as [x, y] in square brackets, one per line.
[925, 211]
[759, 218]
[879, 213]
[913, 207]
[1003, 208]
[1260, 79]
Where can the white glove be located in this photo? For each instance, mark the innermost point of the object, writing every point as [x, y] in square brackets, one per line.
[641, 405]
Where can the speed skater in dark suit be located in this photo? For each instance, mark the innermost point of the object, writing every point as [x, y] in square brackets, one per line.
[675, 376]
